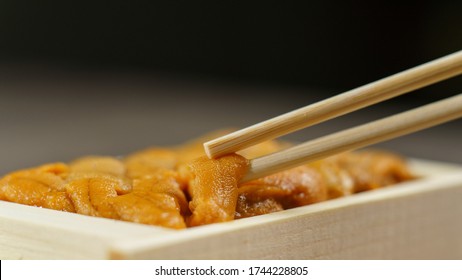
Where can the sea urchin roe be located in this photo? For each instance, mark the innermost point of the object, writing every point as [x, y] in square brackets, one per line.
[150, 161]
[249, 206]
[42, 186]
[166, 182]
[151, 201]
[288, 189]
[150, 208]
[98, 164]
[354, 172]
[60, 169]
[374, 169]
[213, 188]
[121, 185]
[89, 195]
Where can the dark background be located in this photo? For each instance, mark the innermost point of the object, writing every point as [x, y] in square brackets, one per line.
[330, 44]
[96, 77]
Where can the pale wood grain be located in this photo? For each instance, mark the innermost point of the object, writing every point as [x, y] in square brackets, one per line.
[414, 220]
[28, 232]
[403, 82]
[357, 137]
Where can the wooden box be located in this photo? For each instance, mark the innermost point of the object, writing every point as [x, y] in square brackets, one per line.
[421, 219]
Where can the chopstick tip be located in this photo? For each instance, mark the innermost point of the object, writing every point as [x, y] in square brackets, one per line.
[207, 150]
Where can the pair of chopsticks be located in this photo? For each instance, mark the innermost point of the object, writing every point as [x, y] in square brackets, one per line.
[353, 138]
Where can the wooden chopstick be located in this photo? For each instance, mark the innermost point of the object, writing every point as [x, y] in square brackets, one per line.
[357, 137]
[403, 82]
